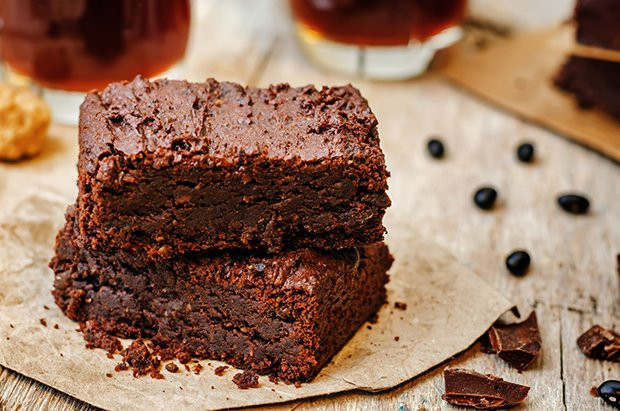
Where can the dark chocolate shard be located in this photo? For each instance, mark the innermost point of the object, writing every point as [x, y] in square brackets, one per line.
[468, 388]
[600, 343]
[517, 344]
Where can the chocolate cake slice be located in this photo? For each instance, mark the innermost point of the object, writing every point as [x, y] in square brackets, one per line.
[173, 167]
[285, 314]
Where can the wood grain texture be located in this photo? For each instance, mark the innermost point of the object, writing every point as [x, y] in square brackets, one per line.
[572, 282]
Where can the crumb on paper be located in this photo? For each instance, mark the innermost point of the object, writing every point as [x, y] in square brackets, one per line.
[219, 371]
[43, 322]
[400, 306]
[108, 375]
[396, 338]
[172, 367]
[197, 369]
[246, 379]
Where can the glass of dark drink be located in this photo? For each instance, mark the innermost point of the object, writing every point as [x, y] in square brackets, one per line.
[382, 39]
[65, 48]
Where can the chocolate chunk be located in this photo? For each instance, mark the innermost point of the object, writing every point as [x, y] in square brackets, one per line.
[246, 379]
[600, 343]
[517, 344]
[172, 367]
[219, 371]
[471, 389]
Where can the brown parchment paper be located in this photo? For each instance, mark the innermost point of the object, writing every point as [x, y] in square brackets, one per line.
[448, 308]
[517, 73]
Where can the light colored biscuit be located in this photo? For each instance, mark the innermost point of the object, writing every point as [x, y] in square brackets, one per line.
[24, 120]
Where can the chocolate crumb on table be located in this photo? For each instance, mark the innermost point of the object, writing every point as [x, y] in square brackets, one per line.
[400, 306]
[517, 344]
[469, 388]
[594, 391]
[108, 375]
[219, 371]
[397, 338]
[197, 369]
[246, 379]
[46, 307]
[600, 343]
[43, 322]
[56, 326]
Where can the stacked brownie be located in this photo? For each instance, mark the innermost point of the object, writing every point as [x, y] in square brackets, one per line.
[230, 223]
[595, 83]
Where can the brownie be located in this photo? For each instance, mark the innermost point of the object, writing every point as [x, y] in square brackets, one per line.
[597, 23]
[285, 314]
[595, 83]
[174, 167]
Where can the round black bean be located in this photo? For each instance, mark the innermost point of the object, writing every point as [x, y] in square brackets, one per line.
[485, 197]
[609, 391]
[518, 262]
[574, 203]
[435, 148]
[525, 152]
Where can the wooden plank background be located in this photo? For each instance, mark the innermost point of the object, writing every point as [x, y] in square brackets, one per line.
[572, 283]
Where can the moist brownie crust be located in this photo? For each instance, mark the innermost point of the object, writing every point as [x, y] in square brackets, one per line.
[595, 83]
[171, 166]
[285, 315]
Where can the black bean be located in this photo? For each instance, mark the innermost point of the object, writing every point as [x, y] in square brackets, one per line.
[574, 203]
[485, 197]
[609, 391]
[518, 262]
[525, 152]
[435, 148]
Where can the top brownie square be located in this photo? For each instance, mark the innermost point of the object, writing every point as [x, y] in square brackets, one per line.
[171, 166]
[597, 23]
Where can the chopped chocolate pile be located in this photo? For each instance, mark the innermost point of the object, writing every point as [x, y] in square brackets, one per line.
[96, 337]
[219, 371]
[517, 344]
[600, 343]
[246, 379]
[140, 359]
[471, 389]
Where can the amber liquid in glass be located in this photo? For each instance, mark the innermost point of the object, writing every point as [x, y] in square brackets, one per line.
[80, 45]
[378, 22]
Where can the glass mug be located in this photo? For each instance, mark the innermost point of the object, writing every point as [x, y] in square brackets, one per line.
[64, 48]
[382, 39]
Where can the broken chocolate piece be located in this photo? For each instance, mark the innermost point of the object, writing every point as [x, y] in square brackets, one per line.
[600, 343]
[517, 344]
[471, 389]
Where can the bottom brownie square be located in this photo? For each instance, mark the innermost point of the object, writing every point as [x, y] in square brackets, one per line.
[284, 314]
[595, 83]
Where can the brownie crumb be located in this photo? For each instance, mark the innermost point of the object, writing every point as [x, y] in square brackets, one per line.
[274, 379]
[110, 355]
[184, 357]
[369, 327]
[11, 325]
[197, 369]
[43, 322]
[246, 379]
[297, 384]
[140, 359]
[108, 375]
[396, 338]
[56, 326]
[172, 367]
[594, 391]
[96, 337]
[122, 366]
[46, 307]
[187, 367]
[219, 371]
[400, 306]
[61, 354]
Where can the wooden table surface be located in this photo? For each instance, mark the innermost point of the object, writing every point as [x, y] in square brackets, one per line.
[573, 281]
